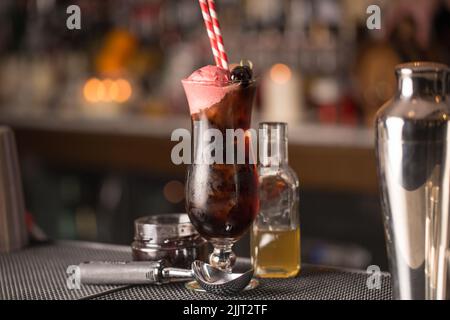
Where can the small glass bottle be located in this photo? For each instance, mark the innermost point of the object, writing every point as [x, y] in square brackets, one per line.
[275, 237]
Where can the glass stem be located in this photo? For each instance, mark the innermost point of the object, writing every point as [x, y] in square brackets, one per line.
[223, 257]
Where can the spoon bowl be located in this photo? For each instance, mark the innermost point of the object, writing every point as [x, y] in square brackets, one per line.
[216, 281]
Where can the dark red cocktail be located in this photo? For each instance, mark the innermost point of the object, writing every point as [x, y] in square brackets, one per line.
[221, 197]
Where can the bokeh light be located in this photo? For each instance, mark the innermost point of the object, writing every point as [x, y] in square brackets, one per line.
[107, 90]
[174, 191]
[280, 73]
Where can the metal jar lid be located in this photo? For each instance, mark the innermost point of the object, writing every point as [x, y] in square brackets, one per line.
[159, 229]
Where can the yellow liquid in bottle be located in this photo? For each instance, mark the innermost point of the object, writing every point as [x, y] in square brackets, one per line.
[276, 253]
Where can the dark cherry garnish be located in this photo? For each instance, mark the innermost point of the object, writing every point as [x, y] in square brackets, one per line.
[242, 74]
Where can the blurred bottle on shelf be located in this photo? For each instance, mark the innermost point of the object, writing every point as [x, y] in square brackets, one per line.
[374, 84]
[331, 103]
[264, 14]
[325, 97]
[282, 95]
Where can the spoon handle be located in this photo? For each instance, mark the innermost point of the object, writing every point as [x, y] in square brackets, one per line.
[176, 274]
[120, 272]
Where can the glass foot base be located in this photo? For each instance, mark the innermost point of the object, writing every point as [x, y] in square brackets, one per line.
[194, 286]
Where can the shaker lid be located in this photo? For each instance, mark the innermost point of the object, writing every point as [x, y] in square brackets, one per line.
[421, 66]
[159, 228]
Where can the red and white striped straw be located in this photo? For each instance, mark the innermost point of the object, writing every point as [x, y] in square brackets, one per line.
[213, 29]
[210, 30]
[219, 39]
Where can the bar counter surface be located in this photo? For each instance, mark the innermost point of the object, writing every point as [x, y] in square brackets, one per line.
[39, 273]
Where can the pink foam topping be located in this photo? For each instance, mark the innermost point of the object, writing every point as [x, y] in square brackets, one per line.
[206, 86]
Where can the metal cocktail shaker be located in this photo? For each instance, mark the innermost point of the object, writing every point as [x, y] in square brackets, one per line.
[413, 152]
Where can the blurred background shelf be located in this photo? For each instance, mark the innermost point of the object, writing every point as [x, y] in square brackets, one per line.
[314, 134]
[331, 157]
